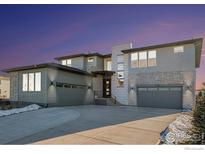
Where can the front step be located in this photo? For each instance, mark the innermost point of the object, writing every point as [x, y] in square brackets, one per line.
[106, 101]
[100, 101]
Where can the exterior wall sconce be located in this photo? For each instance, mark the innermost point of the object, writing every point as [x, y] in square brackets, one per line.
[89, 87]
[52, 83]
[188, 87]
[131, 88]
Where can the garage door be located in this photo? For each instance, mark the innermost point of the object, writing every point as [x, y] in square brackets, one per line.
[160, 97]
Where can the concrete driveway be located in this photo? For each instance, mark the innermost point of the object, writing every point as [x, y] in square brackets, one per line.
[86, 125]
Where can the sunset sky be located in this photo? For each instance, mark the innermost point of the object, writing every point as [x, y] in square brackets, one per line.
[32, 34]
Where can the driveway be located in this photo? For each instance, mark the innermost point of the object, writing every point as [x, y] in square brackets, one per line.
[86, 125]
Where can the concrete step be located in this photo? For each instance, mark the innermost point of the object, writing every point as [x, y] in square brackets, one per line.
[106, 101]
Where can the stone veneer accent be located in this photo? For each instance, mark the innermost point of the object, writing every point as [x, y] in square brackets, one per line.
[121, 93]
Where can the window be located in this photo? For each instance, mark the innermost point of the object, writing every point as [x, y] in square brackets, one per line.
[143, 59]
[38, 81]
[120, 75]
[134, 60]
[25, 82]
[31, 82]
[66, 62]
[120, 58]
[120, 66]
[69, 62]
[109, 65]
[179, 49]
[90, 60]
[152, 58]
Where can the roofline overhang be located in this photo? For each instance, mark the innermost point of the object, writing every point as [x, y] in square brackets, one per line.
[48, 65]
[83, 55]
[197, 43]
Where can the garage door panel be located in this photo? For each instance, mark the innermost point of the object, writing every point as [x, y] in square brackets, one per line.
[164, 97]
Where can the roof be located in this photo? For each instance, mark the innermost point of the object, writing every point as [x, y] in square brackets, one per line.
[48, 65]
[197, 42]
[83, 55]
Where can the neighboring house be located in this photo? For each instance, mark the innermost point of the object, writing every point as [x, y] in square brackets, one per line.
[161, 76]
[4, 87]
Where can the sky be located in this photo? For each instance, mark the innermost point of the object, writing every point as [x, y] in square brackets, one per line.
[32, 34]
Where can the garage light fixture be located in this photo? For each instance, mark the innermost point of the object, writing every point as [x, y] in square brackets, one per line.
[52, 83]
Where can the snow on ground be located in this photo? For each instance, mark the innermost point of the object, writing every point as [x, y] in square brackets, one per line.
[19, 110]
[177, 131]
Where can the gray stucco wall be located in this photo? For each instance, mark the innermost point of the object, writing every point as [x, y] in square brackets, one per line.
[69, 96]
[78, 62]
[17, 94]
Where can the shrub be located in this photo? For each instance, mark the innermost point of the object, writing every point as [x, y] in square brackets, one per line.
[198, 130]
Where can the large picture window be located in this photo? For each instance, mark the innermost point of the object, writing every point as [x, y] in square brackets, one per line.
[31, 82]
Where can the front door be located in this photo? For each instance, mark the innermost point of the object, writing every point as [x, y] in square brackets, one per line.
[107, 88]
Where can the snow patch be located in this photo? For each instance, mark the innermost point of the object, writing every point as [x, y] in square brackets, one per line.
[19, 110]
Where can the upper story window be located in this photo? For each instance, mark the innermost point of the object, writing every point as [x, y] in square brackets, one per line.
[143, 59]
[109, 65]
[31, 82]
[67, 62]
[179, 49]
[152, 55]
[134, 60]
[90, 60]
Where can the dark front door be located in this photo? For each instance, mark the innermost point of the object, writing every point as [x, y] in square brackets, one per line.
[106, 87]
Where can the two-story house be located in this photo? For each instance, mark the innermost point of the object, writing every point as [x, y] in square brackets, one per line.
[161, 76]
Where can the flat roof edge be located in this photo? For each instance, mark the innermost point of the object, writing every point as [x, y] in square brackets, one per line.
[48, 65]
